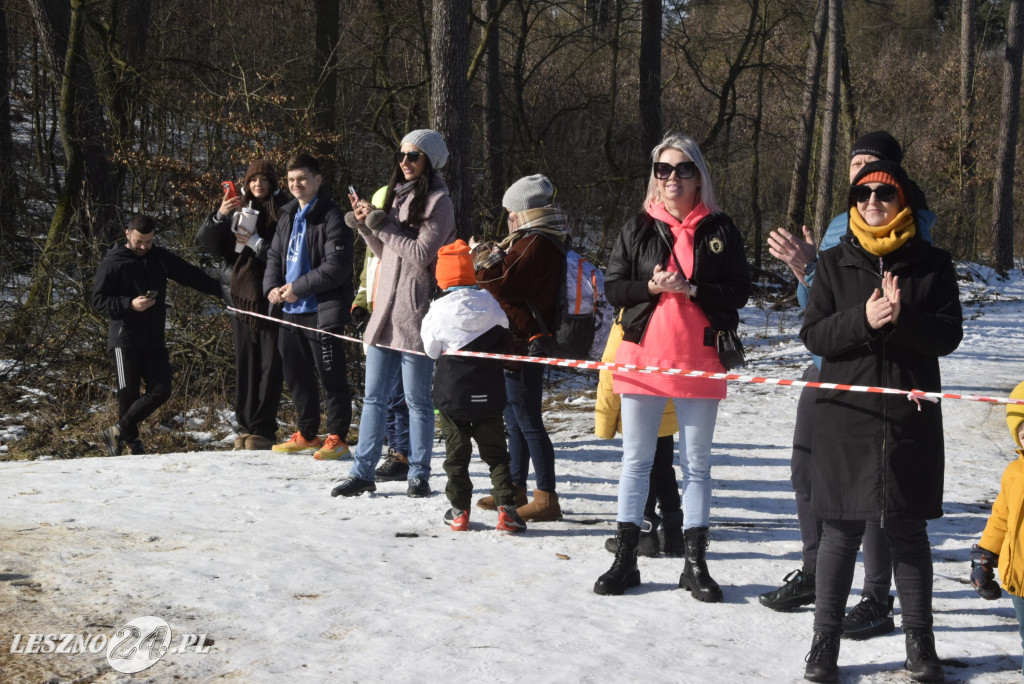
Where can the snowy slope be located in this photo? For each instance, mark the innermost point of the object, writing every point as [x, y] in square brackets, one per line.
[292, 585]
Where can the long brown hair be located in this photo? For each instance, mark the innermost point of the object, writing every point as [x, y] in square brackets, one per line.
[419, 191]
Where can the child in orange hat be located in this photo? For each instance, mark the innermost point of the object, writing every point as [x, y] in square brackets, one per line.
[469, 392]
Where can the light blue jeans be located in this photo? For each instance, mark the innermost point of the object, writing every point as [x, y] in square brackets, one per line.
[382, 369]
[1018, 609]
[641, 417]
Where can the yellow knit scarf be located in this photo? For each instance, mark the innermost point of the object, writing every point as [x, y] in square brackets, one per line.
[881, 240]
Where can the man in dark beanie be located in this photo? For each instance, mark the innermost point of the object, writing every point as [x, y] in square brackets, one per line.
[873, 615]
[131, 290]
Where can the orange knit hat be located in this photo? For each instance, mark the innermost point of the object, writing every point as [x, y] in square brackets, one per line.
[455, 266]
[888, 179]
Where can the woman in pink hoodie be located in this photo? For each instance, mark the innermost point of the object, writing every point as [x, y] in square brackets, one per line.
[678, 274]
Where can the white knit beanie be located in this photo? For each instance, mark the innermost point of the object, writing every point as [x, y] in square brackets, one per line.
[530, 192]
[431, 143]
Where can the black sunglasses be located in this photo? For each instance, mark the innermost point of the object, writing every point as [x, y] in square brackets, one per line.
[862, 193]
[686, 169]
[413, 155]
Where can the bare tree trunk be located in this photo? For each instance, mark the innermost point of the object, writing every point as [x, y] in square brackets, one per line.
[449, 102]
[830, 123]
[1009, 120]
[95, 204]
[492, 128]
[650, 76]
[812, 79]
[325, 97]
[69, 199]
[8, 172]
[966, 228]
[755, 143]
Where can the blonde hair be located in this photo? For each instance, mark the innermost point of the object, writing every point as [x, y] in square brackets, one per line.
[689, 147]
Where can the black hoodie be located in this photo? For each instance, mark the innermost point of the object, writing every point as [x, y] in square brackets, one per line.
[123, 275]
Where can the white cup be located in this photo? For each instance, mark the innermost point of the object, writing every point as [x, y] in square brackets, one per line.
[246, 222]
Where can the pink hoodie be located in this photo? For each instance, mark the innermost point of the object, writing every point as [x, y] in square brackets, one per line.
[674, 337]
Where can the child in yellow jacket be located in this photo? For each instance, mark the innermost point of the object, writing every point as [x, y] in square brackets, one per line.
[1003, 537]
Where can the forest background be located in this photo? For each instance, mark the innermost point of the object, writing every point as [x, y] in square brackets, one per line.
[110, 107]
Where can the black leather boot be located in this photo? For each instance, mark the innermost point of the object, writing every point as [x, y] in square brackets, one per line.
[672, 527]
[922, 661]
[823, 659]
[695, 578]
[624, 573]
[650, 544]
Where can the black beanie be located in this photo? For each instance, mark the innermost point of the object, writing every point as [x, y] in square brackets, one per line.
[878, 144]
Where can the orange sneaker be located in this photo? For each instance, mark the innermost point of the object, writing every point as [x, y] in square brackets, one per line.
[333, 449]
[296, 443]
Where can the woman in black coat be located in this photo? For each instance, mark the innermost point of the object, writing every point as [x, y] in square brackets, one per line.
[258, 374]
[883, 308]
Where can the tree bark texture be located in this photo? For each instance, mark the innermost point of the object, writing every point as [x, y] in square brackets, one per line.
[1009, 123]
[8, 172]
[492, 128]
[809, 114]
[94, 203]
[449, 102]
[966, 228]
[325, 97]
[650, 76]
[830, 120]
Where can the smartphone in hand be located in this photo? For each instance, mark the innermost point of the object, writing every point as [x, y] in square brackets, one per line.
[229, 190]
[150, 294]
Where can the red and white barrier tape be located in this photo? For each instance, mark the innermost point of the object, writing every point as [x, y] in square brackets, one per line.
[912, 395]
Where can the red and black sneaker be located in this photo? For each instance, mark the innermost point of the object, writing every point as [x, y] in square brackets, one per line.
[457, 519]
[509, 520]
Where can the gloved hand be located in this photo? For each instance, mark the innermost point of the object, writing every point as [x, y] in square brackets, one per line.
[982, 578]
[360, 318]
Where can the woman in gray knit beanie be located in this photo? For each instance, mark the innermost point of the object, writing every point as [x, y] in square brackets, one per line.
[417, 219]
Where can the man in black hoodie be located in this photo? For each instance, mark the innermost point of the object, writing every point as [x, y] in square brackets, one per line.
[131, 289]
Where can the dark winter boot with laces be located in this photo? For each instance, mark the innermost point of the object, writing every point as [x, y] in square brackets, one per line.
[672, 530]
[922, 661]
[695, 578]
[869, 618]
[797, 590]
[823, 660]
[624, 573]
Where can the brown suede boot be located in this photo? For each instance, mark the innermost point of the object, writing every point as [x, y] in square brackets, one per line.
[487, 502]
[544, 507]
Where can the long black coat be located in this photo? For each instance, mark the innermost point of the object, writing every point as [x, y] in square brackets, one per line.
[720, 271]
[875, 456]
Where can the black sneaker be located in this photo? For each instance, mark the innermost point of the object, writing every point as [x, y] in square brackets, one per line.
[112, 438]
[823, 660]
[353, 486]
[395, 468]
[869, 618]
[922, 662]
[797, 590]
[136, 448]
[418, 488]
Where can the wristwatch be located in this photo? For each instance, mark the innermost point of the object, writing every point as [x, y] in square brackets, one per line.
[810, 266]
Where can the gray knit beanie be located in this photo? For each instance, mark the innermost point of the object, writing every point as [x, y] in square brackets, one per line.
[530, 192]
[431, 143]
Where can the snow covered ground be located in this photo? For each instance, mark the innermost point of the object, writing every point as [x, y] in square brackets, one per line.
[290, 584]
